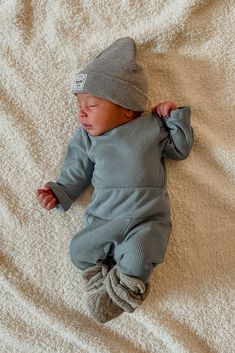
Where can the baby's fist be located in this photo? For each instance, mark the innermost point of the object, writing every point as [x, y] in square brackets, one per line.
[163, 109]
[46, 198]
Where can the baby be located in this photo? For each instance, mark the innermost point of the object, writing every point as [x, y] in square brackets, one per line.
[120, 151]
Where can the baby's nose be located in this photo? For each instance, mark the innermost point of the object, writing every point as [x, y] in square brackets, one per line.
[82, 112]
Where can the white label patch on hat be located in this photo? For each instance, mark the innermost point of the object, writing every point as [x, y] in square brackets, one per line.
[80, 82]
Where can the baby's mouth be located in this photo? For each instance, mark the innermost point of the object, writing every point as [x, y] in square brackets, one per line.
[86, 126]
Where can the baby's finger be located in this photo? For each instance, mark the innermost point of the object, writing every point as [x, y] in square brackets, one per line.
[46, 187]
[42, 195]
[169, 106]
[51, 204]
[46, 200]
[39, 191]
[166, 110]
[159, 110]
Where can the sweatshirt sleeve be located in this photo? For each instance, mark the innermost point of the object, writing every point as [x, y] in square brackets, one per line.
[76, 172]
[176, 134]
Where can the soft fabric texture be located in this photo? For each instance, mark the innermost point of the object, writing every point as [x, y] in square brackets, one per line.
[187, 49]
[114, 74]
[94, 276]
[127, 292]
[99, 304]
[109, 292]
[101, 307]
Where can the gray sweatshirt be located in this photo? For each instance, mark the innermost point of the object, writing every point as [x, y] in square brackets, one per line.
[125, 166]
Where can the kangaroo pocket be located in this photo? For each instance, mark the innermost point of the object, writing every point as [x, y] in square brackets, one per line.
[133, 202]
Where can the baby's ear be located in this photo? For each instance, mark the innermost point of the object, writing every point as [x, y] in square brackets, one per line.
[131, 114]
[128, 113]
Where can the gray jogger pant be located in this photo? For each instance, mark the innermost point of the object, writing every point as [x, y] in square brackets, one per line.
[136, 245]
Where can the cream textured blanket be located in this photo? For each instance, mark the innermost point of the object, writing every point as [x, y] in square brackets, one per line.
[187, 48]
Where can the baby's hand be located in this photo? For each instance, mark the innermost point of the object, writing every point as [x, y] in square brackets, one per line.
[46, 198]
[164, 109]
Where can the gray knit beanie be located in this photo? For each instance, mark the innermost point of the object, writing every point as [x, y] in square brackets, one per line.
[115, 75]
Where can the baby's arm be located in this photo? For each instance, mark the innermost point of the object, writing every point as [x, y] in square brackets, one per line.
[176, 133]
[75, 176]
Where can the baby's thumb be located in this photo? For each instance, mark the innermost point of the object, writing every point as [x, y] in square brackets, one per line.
[46, 187]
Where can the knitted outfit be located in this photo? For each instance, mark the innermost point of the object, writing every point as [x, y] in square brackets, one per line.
[127, 223]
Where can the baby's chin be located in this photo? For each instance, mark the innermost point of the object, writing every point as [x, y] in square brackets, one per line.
[96, 132]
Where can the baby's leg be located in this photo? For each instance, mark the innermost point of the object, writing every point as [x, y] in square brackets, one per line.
[90, 251]
[144, 247]
[95, 242]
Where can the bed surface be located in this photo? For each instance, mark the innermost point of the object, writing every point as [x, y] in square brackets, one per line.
[187, 48]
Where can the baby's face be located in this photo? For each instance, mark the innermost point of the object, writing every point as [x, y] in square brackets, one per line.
[98, 115]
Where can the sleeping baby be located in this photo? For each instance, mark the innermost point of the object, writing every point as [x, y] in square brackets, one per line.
[121, 152]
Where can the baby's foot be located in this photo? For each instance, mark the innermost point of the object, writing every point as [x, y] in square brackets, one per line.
[101, 306]
[126, 291]
[94, 276]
